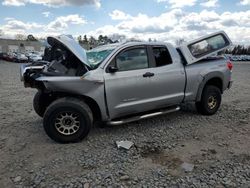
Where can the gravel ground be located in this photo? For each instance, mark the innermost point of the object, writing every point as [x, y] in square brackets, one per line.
[216, 148]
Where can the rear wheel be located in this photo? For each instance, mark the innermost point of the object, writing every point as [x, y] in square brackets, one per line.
[210, 100]
[67, 120]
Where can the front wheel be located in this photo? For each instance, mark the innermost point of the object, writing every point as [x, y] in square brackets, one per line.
[210, 100]
[67, 120]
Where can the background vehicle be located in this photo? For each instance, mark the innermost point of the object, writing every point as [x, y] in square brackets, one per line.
[11, 56]
[20, 58]
[34, 56]
[3, 56]
[121, 83]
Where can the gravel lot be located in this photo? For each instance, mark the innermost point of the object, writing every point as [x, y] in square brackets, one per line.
[218, 146]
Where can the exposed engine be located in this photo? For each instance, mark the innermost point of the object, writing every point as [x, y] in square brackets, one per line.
[58, 60]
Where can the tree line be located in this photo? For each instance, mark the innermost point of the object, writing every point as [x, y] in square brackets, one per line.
[23, 37]
[102, 39]
[239, 50]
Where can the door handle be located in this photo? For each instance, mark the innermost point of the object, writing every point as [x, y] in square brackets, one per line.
[148, 74]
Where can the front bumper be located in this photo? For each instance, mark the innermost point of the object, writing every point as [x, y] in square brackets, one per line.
[28, 68]
[22, 72]
[29, 73]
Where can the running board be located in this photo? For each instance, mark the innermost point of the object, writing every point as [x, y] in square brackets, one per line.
[145, 116]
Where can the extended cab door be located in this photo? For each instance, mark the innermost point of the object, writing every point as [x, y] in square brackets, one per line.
[205, 46]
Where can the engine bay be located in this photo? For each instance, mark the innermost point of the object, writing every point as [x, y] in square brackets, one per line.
[58, 60]
[62, 61]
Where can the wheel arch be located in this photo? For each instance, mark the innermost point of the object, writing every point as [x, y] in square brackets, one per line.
[211, 79]
[93, 105]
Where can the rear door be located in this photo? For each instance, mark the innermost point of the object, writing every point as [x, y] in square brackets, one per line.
[167, 85]
[205, 46]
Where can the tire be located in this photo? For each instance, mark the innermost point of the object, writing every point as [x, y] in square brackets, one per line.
[210, 100]
[68, 120]
[40, 102]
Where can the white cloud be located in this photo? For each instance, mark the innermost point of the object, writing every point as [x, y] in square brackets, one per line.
[168, 26]
[142, 23]
[58, 26]
[176, 24]
[13, 2]
[13, 27]
[179, 3]
[53, 3]
[62, 22]
[119, 15]
[160, 1]
[19, 25]
[245, 2]
[46, 14]
[210, 3]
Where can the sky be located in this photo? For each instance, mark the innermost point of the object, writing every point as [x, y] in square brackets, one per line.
[163, 20]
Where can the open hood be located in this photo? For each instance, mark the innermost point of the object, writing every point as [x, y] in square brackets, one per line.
[205, 46]
[71, 45]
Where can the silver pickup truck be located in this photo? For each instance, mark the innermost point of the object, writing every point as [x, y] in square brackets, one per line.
[120, 83]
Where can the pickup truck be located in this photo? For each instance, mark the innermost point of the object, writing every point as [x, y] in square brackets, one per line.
[124, 82]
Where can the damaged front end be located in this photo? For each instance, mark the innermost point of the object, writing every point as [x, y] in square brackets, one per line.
[64, 57]
[29, 73]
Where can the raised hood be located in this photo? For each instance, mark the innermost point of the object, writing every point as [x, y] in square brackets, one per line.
[71, 45]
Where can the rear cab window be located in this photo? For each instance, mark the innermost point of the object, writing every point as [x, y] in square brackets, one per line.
[161, 56]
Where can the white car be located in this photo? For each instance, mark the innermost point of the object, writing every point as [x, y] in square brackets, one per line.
[20, 58]
[34, 56]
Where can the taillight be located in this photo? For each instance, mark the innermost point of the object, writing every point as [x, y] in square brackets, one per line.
[230, 65]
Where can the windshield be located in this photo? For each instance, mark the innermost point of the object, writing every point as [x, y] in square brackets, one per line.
[96, 56]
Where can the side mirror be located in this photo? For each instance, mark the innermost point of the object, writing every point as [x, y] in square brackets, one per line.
[112, 69]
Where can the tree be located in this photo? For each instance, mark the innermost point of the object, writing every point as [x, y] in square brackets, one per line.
[178, 42]
[92, 41]
[79, 38]
[85, 39]
[20, 37]
[100, 39]
[239, 50]
[31, 38]
[227, 51]
[134, 39]
[248, 50]
[106, 39]
[117, 38]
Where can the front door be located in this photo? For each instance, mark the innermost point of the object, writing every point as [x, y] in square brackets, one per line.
[128, 89]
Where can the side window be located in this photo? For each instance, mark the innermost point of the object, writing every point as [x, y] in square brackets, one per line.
[162, 56]
[132, 59]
